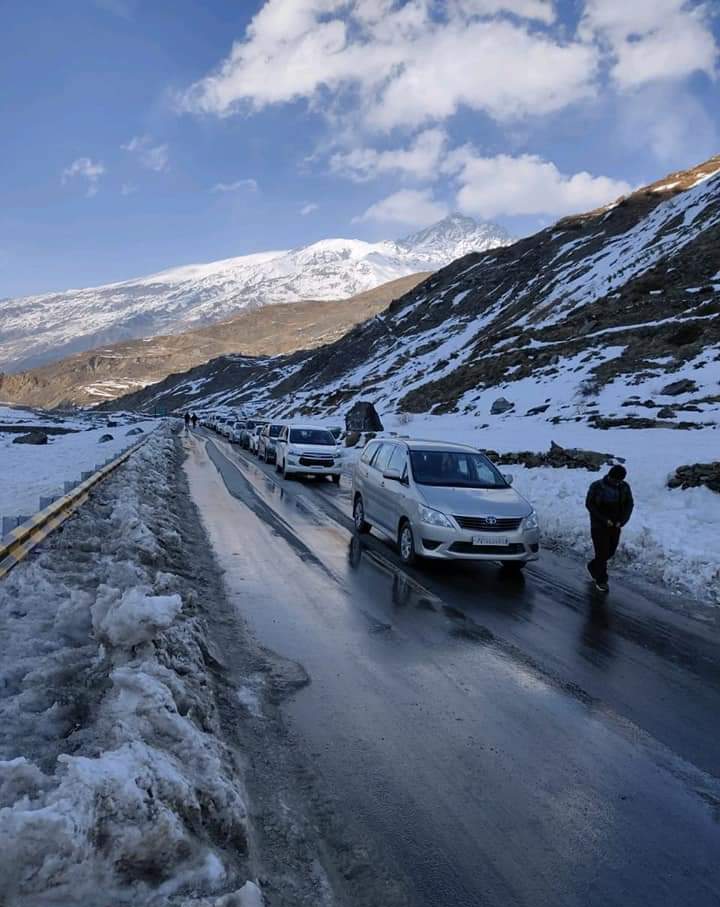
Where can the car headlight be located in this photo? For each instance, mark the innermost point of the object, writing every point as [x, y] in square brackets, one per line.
[531, 521]
[434, 517]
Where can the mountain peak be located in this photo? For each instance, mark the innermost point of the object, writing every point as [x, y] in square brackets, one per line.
[458, 232]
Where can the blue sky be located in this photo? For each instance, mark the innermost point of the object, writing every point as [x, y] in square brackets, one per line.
[141, 135]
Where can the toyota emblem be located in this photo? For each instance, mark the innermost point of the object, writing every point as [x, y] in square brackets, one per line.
[490, 520]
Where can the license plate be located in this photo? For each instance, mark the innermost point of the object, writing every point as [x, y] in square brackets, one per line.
[490, 539]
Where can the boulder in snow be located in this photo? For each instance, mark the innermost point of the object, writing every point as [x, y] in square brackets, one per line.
[363, 417]
[104, 438]
[501, 405]
[32, 437]
[684, 386]
[135, 431]
[695, 475]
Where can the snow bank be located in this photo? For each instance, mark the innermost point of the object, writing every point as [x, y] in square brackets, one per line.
[115, 784]
[29, 471]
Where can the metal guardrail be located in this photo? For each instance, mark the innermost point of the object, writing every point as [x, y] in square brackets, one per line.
[18, 543]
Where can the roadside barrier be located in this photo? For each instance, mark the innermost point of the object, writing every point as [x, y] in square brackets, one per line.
[21, 540]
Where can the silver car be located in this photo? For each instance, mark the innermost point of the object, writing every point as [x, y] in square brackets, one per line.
[441, 500]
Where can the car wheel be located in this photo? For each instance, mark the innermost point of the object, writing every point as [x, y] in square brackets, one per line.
[336, 478]
[406, 544]
[359, 516]
[285, 473]
[277, 465]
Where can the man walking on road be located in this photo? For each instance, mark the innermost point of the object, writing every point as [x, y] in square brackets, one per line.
[187, 421]
[610, 503]
[194, 420]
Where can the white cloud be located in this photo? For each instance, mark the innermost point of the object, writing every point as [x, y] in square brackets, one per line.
[236, 186]
[525, 185]
[541, 10]
[308, 209]
[652, 40]
[420, 160]
[412, 207]
[670, 122]
[152, 157]
[128, 189]
[87, 169]
[403, 64]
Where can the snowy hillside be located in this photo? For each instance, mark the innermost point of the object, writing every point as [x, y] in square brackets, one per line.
[602, 331]
[38, 329]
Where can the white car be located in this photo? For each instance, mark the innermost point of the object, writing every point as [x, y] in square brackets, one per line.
[308, 449]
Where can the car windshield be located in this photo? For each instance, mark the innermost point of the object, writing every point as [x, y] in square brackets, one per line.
[454, 469]
[311, 436]
[275, 430]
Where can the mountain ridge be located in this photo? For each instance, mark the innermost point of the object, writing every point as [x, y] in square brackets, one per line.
[590, 319]
[93, 376]
[44, 328]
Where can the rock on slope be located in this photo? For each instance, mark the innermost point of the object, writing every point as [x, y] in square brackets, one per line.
[589, 319]
[103, 374]
[40, 329]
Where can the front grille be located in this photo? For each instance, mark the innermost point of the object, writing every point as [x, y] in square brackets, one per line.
[316, 461]
[489, 524]
[469, 548]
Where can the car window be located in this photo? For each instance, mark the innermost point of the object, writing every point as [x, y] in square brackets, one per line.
[370, 451]
[397, 459]
[311, 436]
[275, 430]
[381, 460]
[455, 469]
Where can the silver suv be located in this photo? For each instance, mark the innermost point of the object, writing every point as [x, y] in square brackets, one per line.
[444, 501]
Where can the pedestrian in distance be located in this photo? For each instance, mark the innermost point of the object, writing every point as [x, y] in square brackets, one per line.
[187, 421]
[194, 420]
[610, 504]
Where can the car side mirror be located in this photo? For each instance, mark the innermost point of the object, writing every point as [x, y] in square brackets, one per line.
[508, 477]
[393, 475]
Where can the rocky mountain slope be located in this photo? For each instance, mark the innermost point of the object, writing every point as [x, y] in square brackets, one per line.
[611, 318]
[38, 329]
[92, 377]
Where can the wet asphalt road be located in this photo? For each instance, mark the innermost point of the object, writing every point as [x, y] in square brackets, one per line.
[493, 740]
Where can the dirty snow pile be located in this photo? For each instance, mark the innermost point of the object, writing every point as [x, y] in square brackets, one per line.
[115, 784]
[29, 471]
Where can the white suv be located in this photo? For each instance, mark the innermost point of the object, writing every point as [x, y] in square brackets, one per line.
[308, 449]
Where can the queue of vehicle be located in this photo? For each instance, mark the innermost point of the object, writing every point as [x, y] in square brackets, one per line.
[434, 499]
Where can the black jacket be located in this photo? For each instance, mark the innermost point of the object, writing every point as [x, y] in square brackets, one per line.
[606, 501]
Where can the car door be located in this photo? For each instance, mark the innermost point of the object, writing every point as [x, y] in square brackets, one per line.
[377, 507]
[393, 494]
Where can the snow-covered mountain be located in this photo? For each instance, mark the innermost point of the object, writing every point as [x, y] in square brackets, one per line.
[611, 318]
[39, 329]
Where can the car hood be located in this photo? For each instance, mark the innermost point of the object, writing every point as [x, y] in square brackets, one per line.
[502, 502]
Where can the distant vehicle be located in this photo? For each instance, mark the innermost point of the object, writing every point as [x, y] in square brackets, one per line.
[250, 426]
[442, 500]
[254, 437]
[266, 441]
[237, 431]
[308, 449]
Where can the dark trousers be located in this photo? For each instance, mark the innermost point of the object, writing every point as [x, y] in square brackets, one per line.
[605, 541]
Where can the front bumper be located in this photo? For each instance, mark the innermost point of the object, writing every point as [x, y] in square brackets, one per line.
[444, 543]
[311, 470]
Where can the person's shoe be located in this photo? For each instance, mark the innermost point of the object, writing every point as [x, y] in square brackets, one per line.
[601, 587]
